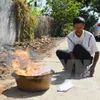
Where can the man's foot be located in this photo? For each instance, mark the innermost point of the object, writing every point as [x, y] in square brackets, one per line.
[63, 69]
[72, 69]
[53, 72]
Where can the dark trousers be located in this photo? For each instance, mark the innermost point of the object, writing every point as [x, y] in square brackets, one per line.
[83, 58]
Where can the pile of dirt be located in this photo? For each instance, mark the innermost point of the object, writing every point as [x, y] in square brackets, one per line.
[40, 46]
[5, 72]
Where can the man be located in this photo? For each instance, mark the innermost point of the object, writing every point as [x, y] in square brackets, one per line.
[82, 47]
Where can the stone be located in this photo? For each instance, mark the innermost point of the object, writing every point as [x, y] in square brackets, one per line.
[6, 84]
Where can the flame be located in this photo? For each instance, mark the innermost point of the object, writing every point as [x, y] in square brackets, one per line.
[24, 66]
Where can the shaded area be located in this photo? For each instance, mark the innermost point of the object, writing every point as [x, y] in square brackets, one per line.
[14, 92]
[60, 77]
[97, 38]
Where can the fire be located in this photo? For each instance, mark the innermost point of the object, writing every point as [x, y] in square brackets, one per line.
[24, 66]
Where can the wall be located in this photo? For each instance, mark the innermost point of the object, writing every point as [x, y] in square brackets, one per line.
[7, 25]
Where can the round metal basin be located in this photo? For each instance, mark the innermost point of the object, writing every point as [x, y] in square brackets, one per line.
[33, 83]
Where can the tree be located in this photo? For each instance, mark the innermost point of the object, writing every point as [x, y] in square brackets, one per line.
[90, 18]
[89, 11]
[96, 5]
[63, 12]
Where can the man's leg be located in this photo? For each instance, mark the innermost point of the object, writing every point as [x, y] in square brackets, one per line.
[81, 53]
[83, 57]
[65, 59]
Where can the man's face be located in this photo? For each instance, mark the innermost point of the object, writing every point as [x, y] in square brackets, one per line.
[79, 28]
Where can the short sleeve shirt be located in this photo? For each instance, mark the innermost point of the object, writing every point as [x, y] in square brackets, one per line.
[87, 40]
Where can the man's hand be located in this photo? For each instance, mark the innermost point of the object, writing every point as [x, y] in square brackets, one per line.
[96, 57]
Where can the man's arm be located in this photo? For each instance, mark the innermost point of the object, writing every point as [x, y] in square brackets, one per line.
[96, 57]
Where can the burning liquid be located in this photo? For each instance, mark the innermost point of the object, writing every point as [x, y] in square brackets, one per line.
[24, 66]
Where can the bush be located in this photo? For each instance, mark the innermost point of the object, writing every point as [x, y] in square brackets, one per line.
[44, 26]
[25, 21]
[68, 28]
[63, 12]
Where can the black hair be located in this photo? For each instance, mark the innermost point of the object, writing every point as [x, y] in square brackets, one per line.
[78, 20]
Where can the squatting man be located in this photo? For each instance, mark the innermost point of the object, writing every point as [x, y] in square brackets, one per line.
[82, 49]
